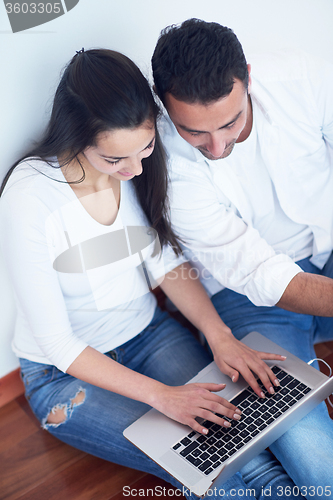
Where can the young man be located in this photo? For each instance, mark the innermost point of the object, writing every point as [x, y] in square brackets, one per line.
[252, 182]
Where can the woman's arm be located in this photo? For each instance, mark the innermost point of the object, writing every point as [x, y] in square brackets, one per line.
[183, 403]
[232, 357]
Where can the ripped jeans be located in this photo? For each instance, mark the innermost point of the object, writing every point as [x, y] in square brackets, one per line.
[95, 422]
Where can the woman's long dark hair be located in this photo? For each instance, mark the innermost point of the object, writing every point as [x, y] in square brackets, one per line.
[103, 90]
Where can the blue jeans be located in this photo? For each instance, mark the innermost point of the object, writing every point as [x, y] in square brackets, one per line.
[164, 351]
[306, 450]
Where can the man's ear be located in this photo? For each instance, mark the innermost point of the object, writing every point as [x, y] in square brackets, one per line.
[250, 79]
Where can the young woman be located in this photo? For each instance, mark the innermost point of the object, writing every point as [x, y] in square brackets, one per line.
[86, 235]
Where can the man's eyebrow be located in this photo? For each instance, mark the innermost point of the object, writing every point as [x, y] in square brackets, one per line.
[123, 157]
[186, 129]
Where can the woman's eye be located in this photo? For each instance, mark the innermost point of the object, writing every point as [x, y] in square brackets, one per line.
[112, 162]
[151, 144]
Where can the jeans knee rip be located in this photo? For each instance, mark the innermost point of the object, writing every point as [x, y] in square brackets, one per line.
[67, 410]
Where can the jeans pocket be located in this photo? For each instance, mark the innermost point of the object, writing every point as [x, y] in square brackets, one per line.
[35, 375]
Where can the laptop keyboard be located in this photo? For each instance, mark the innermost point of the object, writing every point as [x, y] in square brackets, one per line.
[207, 452]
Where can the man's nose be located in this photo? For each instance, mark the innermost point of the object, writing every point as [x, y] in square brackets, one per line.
[216, 145]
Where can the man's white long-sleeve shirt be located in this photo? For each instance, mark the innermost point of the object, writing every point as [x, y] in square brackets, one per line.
[245, 221]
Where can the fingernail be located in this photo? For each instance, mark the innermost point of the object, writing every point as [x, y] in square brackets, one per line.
[233, 378]
[262, 395]
[284, 357]
[271, 390]
[236, 416]
[276, 382]
[204, 431]
[227, 424]
[238, 411]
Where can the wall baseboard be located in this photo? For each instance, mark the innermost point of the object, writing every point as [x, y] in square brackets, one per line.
[11, 386]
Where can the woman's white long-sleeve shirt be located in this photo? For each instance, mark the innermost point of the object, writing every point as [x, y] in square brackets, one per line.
[76, 282]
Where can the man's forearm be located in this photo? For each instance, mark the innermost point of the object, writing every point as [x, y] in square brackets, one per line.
[309, 294]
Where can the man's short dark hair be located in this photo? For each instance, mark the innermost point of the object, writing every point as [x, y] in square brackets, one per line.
[198, 62]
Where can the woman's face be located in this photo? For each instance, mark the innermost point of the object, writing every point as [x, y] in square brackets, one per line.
[118, 153]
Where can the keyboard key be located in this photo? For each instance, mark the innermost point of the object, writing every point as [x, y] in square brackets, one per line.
[214, 458]
[208, 471]
[204, 446]
[293, 384]
[276, 370]
[249, 420]
[208, 424]
[212, 450]
[205, 465]
[194, 461]
[193, 433]
[254, 433]
[186, 441]
[189, 448]
[176, 446]
[236, 440]
[222, 452]
[281, 374]
[229, 446]
[285, 381]
[240, 445]
[217, 464]
[211, 440]
[216, 427]
[218, 434]
[197, 452]
[262, 427]
[255, 405]
[240, 398]
[201, 439]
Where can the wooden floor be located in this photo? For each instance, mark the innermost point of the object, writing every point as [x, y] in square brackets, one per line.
[36, 466]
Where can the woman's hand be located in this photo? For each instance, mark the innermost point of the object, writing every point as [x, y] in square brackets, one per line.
[234, 358]
[187, 402]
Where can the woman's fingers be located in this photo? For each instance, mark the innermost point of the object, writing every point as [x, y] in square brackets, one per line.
[235, 358]
[186, 403]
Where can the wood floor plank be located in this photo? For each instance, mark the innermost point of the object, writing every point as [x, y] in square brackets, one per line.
[32, 461]
[15, 426]
[88, 479]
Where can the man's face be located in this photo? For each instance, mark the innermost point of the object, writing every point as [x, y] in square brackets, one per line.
[215, 128]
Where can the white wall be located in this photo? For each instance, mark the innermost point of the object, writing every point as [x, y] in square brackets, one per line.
[31, 61]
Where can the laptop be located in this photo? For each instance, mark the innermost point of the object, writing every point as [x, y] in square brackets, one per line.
[201, 462]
